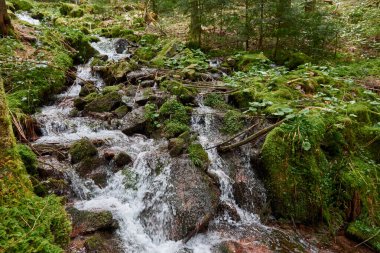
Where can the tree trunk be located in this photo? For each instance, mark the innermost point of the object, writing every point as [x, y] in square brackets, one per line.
[195, 32]
[261, 29]
[5, 21]
[247, 25]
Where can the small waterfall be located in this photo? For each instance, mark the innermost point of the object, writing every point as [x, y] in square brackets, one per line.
[138, 196]
[25, 16]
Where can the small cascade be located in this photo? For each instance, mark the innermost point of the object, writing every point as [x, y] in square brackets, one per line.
[25, 16]
[140, 195]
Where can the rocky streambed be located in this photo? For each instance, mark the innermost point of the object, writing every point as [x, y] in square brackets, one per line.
[132, 189]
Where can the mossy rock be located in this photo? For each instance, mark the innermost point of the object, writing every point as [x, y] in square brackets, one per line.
[294, 174]
[22, 5]
[82, 149]
[87, 88]
[198, 156]
[184, 94]
[79, 41]
[297, 59]
[169, 49]
[122, 159]
[121, 111]
[85, 222]
[243, 97]
[105, 103]
[173, 128]
[246, 61]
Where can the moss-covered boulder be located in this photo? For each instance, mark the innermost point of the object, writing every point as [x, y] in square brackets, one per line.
[105, 102]
[102, 242]
[22, 5]
[86, 222]
[87, 88]
[243, 97]
[121, 111]
[185, 94]
[246, 61]
[122, 159]
[82, 149]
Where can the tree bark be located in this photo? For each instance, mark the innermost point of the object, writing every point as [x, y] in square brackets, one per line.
[5, 21]
[261, 29]
[195, 32]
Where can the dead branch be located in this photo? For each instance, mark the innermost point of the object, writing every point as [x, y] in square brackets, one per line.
[250, 138]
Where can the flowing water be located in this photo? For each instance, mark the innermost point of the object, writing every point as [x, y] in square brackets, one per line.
[25, 16]
[128, 194]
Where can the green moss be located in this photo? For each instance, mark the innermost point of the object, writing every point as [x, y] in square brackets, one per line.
[104, 103]
[184, 94]
[243, 97]
[121, 111]
[148, 39]
[297, 59]
[174, 110]
[145, 53]
[362, 231]
[82, 149]
[27, 223]
[29, 158]
[168, 50]
[198, 156]
[233, 122]
[174, 128]
[22, 5]
[216, 101]
[246, 61]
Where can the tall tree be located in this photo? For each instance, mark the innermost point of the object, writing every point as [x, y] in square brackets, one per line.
[5, 21]
[195, 32]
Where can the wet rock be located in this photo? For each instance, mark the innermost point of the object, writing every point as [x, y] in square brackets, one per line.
[248, 191]
[193, 197]
[121, 111]
[86, 222]
[121, 45]
[135, 122]
[122, 159]
[109, 155]
[82, 149]
[58, 187]
[105, 103]
[227, 209]
[88, 164]
[147, 83]
[102, 242]
[243, 246]
[176, 146]
[87, 88]
[79, 103]
[137, 76]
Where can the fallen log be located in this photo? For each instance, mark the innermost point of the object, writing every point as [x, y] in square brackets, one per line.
[250, 138]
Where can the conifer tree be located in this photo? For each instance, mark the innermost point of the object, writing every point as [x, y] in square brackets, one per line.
[5, 21]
